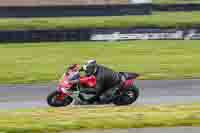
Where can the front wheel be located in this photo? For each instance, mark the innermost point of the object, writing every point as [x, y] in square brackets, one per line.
[126, 97]
[55, 99]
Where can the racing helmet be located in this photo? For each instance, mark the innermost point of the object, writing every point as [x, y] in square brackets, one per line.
[90, 67]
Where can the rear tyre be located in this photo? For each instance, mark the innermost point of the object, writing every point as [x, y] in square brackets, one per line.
[126, 97]
[54, 99]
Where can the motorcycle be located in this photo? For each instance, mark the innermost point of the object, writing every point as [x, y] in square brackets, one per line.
[76, 89]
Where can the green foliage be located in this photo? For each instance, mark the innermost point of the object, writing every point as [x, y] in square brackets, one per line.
[44, 62]
[158, 19]
[101, 117]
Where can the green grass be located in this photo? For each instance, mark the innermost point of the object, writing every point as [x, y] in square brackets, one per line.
[164, 19]
[176, 1]
[44, 62]
[76, 118]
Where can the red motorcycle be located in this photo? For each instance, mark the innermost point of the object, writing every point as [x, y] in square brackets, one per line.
[77, 89]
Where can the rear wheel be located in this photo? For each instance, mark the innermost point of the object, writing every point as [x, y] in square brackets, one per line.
[126, 97]
[55, 99]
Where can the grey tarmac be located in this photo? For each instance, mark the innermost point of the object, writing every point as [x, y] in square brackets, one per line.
[151, 92]
[146, 130]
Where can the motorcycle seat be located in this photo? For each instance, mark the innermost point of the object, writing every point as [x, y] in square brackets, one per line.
[128, 75]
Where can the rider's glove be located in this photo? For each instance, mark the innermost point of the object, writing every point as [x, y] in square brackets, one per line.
[81, 69]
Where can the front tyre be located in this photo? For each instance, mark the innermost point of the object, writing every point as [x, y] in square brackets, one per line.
[55, 99]
[126, 97]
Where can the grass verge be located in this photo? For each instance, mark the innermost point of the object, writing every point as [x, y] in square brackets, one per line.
[44, 62]
[158, 19]
[70, 118]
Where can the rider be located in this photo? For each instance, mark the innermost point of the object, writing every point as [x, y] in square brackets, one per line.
[106, 78]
